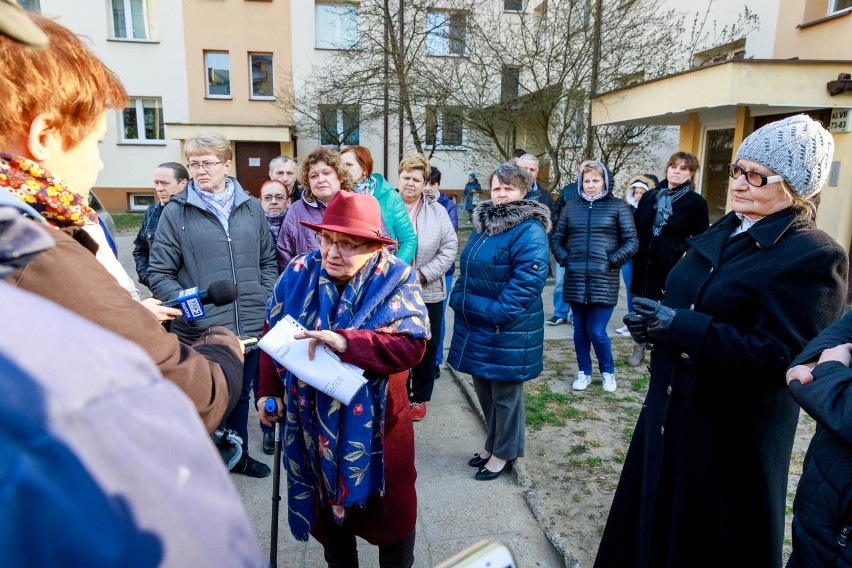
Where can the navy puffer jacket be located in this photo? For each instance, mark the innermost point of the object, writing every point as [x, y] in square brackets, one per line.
[592, 240]
[498, 333]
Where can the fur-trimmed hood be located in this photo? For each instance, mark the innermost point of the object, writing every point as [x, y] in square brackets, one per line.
[495, 219]
[629, 192]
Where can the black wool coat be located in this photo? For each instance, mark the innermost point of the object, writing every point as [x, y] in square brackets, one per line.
[822, 511]
[657, 255]
[705, 476]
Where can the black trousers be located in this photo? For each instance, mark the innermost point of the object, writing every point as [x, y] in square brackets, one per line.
[422, 377]
[341, 551]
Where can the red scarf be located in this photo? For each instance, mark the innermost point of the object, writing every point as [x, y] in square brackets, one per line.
[51, 197]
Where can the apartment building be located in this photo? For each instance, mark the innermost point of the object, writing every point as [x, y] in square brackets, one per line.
[189, 67]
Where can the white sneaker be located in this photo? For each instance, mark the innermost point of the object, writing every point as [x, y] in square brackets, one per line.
[583, 380]
[623, 331]
[609, 384]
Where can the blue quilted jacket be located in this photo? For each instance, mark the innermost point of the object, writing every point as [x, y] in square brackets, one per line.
[498, 333]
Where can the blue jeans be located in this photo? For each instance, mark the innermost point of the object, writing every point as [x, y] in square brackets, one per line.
[590, 330]
[440, 357]
[627, 275]
[561, 308]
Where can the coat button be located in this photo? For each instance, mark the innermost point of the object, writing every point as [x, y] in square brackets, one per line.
[692, 306]
[669, 389]
[662, 430]
[684, 355]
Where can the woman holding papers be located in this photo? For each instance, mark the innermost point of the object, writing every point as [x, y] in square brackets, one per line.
[350, 468]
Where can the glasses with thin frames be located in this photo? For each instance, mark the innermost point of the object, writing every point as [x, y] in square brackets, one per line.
[206, 166]
[754, 179]
[274, 197]
[345, 248]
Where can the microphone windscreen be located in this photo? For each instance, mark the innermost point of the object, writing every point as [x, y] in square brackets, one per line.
[222, 292]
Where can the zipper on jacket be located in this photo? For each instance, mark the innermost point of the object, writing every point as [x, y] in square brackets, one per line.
[234, 276]
[588, 250]
[473, 252]
[844, 535]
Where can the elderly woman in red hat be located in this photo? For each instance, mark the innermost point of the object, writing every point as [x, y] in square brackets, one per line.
[350, 468]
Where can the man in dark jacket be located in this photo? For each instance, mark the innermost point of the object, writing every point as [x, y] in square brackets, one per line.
[169, 178]
[536, 192]
[822, 513]
[213, 231]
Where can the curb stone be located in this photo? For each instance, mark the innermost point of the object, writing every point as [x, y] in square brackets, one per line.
[520, 474]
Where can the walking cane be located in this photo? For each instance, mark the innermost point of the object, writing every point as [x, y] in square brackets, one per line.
[270, 407]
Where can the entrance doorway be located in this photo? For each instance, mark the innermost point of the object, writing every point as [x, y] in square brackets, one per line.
[718, 151]
[252, 161]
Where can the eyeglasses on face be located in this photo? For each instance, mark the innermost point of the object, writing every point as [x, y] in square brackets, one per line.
[206, 166]
[345, 248]
[754, 179]
[275, 197]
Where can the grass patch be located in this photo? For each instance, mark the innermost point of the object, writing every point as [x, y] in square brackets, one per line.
[641, 384]
[127, 222]
[547, 408]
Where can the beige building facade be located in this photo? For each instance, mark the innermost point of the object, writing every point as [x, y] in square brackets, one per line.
[716, 106]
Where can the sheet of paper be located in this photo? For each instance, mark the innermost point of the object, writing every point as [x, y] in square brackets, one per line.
[326, 373]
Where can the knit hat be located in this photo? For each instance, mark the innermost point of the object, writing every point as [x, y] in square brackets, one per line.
[797, 148]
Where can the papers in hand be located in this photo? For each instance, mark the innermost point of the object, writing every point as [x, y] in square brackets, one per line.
[326, 373]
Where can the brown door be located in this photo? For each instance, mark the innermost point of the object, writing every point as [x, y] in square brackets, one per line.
[253, 163]
[719, 147]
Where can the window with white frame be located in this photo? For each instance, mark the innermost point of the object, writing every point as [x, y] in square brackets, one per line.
[33, 6]
[336, 26]
[510, 83]
[134, 19]
[262, 86]
[838, 6]
[445, 33]
[576, 131]
[340, 125]
[142, 121]
[513, 5]
[140, 201]
[444, 127]
[217, 65]
[580, 16]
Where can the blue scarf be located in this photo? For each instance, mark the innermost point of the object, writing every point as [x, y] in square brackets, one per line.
[334, 454]
[220, 204]
[665, 198]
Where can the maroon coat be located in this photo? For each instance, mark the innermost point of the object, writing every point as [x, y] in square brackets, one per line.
[391, 517]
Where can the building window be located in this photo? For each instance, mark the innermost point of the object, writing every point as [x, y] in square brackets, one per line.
[339, 125]
[262, 87]
[839, 5]
[337, 26]
[141, 201]
[33, 6]
[444, 127]
[510, 83]
[134, 19]
[445, 33]
[577, 131]
[218, 71]
[142, 121]
[513, 5]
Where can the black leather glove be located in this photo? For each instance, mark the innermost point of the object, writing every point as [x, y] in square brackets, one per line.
[637, 326]
[658, 316]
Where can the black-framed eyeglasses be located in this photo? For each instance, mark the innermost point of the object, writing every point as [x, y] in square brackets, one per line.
[194, 166]
[275, 197]
[754, 179]
[344, 247]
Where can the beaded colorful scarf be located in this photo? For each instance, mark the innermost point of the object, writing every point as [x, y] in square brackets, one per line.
[335, 453]
[57, 203]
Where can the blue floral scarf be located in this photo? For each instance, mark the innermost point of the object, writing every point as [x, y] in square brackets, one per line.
[334, 454]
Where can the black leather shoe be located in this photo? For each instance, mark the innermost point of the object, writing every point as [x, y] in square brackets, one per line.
[251, 467]
[477, 461]
[484, 475]
[269, 443]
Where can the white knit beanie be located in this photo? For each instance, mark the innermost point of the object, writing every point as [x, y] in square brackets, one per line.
[797, 147]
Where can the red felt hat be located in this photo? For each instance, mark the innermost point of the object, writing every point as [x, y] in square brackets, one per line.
[355, 214]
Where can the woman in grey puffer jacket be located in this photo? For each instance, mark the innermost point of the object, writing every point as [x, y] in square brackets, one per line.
[594, 237]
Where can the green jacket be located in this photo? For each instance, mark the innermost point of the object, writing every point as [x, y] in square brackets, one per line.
[396, 218]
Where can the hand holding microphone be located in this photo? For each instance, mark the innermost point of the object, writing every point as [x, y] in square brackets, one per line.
[191, 301]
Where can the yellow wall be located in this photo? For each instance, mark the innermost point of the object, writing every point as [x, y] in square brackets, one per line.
[827, 39]
[240, 28]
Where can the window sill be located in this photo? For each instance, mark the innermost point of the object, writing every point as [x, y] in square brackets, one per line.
[267, 99]
[839, 14]
[219, 97]
[132, 40]
[448, 55]
[445, 148]
[327, 48]
[142, 143]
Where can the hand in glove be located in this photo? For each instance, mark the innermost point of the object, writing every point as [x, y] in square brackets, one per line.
[659, 318]
[637, 326]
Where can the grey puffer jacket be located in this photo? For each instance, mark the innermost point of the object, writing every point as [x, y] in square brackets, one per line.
[193, 249]
[592, 240]
[437, 244]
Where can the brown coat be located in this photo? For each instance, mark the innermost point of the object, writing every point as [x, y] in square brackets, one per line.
[69, 275]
